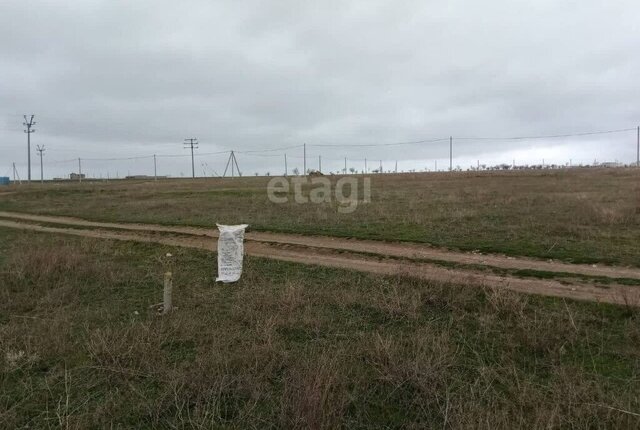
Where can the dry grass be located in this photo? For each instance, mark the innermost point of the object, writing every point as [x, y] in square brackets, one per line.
[580, 215]
[294, 347]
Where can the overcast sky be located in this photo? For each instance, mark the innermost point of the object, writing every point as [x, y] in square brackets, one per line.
[109, 79]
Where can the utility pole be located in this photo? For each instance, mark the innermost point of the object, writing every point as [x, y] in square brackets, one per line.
[155, 170]
[320, 163]
[436, 165]
[365, 166]
[286, 171]
[396, 166]
[233, 161]
[304, 163]
[29, 123]
[192, 143]
[380, 166]
[345, 165]
[450, 153]
[40, 150]
[79, 170]
[638, 148]
[16, 174]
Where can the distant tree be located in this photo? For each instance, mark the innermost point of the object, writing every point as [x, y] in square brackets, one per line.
[296, 171]
[352, 170]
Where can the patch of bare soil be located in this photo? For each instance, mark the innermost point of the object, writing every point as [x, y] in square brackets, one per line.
[388, 249]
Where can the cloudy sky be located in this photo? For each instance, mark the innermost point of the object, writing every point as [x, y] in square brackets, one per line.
[117, 79]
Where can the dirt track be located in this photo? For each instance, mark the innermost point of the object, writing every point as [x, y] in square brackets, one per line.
[366, 256]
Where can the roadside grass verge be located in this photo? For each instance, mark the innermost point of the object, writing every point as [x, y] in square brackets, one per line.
[293, 346]
[565, 277]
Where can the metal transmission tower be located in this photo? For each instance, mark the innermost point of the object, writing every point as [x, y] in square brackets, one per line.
[232, 160]
[41, 150]
[192, 143]
[29, 123]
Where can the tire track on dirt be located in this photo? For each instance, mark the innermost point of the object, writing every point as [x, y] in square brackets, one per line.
[618, 294]
[400, 250]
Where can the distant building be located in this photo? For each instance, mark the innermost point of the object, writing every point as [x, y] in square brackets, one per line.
[76, 176]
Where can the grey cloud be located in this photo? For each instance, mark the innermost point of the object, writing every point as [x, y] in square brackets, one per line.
[131, 78]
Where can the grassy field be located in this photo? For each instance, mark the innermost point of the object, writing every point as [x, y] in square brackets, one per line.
[577, 215]
[293, 346]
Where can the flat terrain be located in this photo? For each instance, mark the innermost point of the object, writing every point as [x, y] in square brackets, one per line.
[576, 215]
[609, 284]
[407, 313]
[294, 345]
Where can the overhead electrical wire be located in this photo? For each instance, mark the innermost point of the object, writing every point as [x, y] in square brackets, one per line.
[261, 152]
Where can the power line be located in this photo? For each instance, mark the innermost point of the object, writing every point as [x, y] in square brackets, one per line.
[187, 155]
[268, 150]
[140, 157]
[415, 142]
[549, 136]
[272, 152]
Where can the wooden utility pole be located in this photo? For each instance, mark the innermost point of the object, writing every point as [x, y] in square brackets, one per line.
[192, 143]
[450, 153]
[41, 150]
[638, 148]
[29, 123]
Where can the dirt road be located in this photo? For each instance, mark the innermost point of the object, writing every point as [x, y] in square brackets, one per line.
[366, 256]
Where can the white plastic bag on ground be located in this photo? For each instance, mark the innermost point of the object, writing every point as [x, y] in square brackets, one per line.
[230, 252]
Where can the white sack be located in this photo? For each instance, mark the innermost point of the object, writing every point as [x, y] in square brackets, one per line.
[230, 252]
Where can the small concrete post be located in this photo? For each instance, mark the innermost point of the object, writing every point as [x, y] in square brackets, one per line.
[168, 287]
